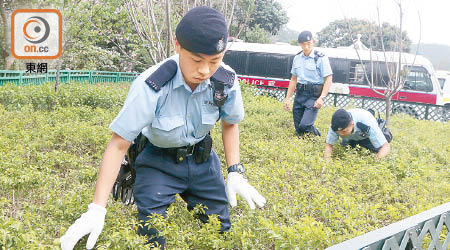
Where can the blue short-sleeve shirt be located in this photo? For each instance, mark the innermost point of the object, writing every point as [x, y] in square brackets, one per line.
[175, 116]
[308, 71]
[375, 134]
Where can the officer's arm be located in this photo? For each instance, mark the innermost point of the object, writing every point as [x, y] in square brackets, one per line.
[109, 168]
[230, 138]
[328, 151]
[327, 85]
[384, 150]
[291, 88]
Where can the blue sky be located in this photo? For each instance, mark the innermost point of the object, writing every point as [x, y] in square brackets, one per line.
[314, 15]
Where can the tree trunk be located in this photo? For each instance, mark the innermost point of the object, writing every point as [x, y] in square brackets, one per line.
[9, 59]
[388, 110]
[58, 72]
[169, 30]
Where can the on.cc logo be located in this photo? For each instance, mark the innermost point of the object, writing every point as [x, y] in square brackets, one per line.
[36, 34]
[36, 24]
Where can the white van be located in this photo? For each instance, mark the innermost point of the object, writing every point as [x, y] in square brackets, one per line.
[444, 81]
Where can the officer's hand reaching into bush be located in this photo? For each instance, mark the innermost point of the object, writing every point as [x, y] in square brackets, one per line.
[90, 223]
[237, 184]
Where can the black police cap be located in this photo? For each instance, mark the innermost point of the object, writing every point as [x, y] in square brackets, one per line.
[203, 30]
[304, 36]
[340, 119]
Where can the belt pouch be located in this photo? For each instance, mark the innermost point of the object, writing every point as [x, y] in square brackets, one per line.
[203, 149]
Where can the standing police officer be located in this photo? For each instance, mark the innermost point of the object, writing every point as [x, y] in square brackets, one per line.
[312, 77]
[356, 127]
[175, 104]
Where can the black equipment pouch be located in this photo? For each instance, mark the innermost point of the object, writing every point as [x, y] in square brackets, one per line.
[203, 149]
[219, 94]
[220, 79]
[136, 148]
[382, 125]
[317, 90]
[386, 131]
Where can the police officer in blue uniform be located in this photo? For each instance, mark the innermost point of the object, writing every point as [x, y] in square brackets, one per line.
[356, 127]
[312, 78]
[175, 104]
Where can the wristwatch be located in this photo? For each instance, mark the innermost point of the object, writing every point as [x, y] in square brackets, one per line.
[236, 168]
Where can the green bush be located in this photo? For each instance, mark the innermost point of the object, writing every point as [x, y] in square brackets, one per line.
[43, 97]
[52, 143]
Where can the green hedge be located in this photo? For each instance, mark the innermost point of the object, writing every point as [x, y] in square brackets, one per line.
[43, 97]
[51, 146]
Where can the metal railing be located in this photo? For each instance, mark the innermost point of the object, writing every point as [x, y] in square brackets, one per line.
[427, 230]
[418, 110]
[20, 77]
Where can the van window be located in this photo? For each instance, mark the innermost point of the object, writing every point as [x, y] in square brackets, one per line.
[441, 82]
[237, 60]
[340, 69]
[418, 79]
[357, 74]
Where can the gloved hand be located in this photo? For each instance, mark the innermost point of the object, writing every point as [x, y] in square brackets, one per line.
[123, 186]
[236, 183]
[90, 223]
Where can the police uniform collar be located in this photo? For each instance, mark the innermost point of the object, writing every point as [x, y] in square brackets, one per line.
[178, 79]
[310, 54]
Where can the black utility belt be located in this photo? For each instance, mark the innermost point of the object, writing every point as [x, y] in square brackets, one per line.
[200, 151]
[313, 89]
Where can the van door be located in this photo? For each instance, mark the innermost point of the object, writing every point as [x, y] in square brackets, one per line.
[418, 87]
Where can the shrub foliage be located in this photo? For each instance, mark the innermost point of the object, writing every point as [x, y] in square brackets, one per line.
[52, 143]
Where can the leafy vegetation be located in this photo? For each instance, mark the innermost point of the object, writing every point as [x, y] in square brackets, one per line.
[51, 147]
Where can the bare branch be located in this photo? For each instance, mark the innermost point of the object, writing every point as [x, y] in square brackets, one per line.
[231, 14]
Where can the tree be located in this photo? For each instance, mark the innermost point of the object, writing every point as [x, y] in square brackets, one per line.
[155, 21]
[258, 35]
[241, 18]
[397, 72]
[337, 34]
[6, 9]
[106, 42]
[269, 15]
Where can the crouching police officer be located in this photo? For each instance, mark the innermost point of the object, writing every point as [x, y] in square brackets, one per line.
[312, 77]
[356, 127]
[175, 104]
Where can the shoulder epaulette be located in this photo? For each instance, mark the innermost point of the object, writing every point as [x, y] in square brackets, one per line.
[162, 75]
[318, 53]
[224, 76]
[363, 127]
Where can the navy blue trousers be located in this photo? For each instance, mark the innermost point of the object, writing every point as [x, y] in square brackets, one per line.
[159, 179]
[366, 143]
[304, 113]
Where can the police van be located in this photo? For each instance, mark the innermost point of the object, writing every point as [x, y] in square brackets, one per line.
[270, 65]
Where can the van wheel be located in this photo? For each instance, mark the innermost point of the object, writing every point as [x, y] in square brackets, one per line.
[406, 110]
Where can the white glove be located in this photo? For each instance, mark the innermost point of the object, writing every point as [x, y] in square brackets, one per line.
[236, 183]
[90, 222]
